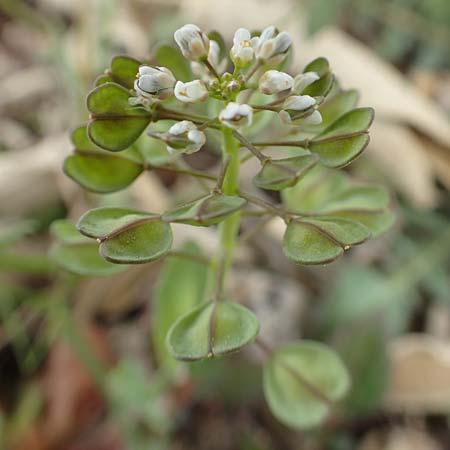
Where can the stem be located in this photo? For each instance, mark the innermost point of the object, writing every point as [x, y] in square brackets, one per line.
[181, 171]
[306, 142]
[211, 68]
[252, 72]
[250, 146]
[230, 226]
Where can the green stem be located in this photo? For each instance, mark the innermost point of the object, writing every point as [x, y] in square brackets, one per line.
[230, 226]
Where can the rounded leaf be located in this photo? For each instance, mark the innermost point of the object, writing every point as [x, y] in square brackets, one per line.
[344, 231]
[213, 329]
[355, 121]
[102, 173]
[76, 253]
[305, 244]
[282, 173]
[323, 85]
[340, 152]
[83, 259]
[99, 223]
[123, 70]
[171, 58]
[114, 124]
[358, 198]
[301, 380]
[65, 231]
[206, 211]
[138, 243]
[378, 222]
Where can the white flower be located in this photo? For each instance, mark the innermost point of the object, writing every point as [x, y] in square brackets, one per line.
[193, 43]
[202, 71]
[272, 46]
[236, 115]
[185, 136]
[295, 107]
[273, 82]
[154, 82]
[191, 92]
[303, 80]
[242, 52]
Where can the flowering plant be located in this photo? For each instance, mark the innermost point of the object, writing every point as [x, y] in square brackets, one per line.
[314, 129]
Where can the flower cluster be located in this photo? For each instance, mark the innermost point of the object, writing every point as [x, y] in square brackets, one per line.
[252, 56]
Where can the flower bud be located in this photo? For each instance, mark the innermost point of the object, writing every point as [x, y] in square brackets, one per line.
[313, 119]
[193, 43]
[295, 107]
[154, 82]
[236, 115]
[242, 52]
[303, 80]
[274, 82]
[184, 136]
[272, 46]
[191, 92]
[219, 65]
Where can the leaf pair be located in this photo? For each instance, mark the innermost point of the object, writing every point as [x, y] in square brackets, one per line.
[127, 236]
[205, 211]
[344, 140]
[279, 174]
[98, 170]
[336, 146]
[213, 329]
[334, 214]
[321, 240]
[114, 124]
[301, 381]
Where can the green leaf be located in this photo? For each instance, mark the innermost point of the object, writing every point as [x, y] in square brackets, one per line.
[78, 254]
[65, 231]
[114, 124]
[353, 122]
[305, 244]
[206, 211]
[83, 259]
[98, 170]
[344, 231]
[213, 329]
[123, 70]
[139, 243]
[172, 300]
[340, 152]
[301, 380]
[102, 79]
[282, 173]
[323, 191]
[99, 223]
[172, 59]
[336, 106]
[101, 173]
[319, 65]
[323, 85]
[378, 222]
[80, 139]
[319, 240]
[358, 198]
[363, 349]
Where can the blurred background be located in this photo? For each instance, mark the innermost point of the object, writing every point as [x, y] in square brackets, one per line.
[78, 369]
